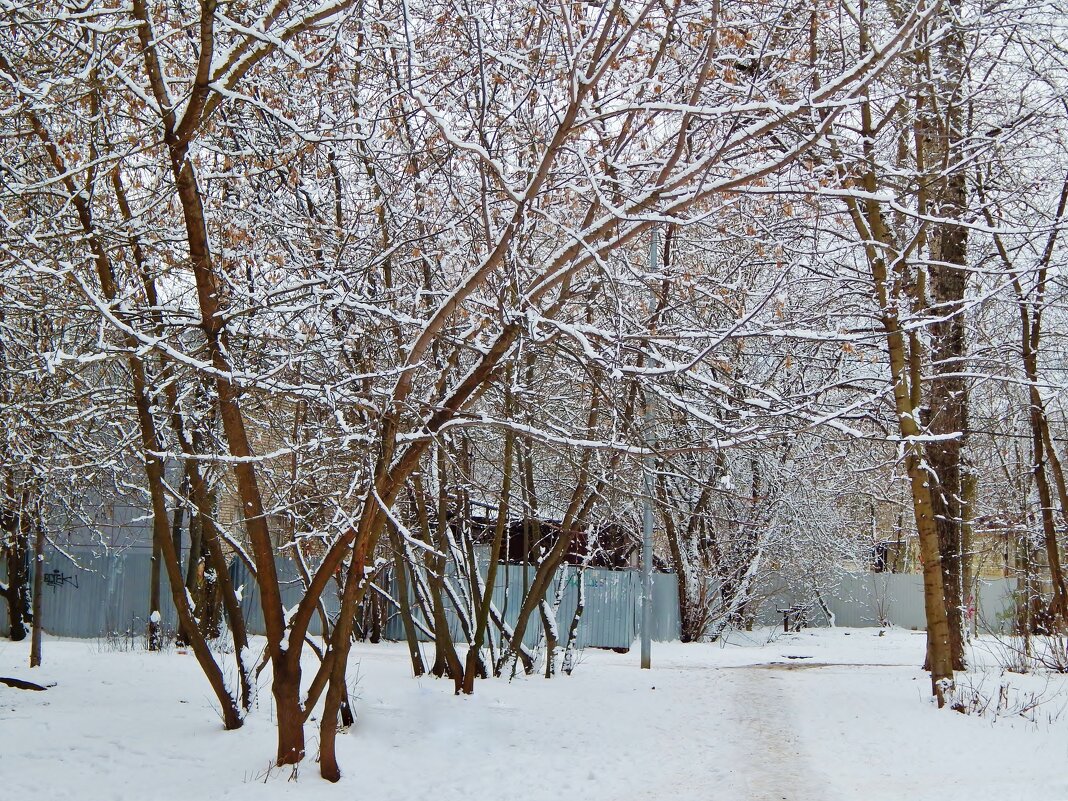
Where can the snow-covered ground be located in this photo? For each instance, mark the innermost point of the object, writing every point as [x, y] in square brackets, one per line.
[822, 715]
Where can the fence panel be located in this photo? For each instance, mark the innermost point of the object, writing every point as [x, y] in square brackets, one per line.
[610, 617]
[89, 595]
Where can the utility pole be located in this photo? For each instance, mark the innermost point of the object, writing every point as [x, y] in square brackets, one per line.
[647, 509]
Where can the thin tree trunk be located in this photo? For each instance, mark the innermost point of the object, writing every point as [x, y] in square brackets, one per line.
[969, 487]
[577, 511]
[155, 639]
[18, 590]
[38, 585]
[1031, 307]
[867, 217]
[337, 690]
[568, 662]
[501, 526]
[549, 625]
[693, 613]
[405, 609]
[904, 363]
[150, 441]
[534, 597]
[210, 292]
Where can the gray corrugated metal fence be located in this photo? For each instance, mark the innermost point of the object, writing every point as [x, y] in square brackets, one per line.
[610, 618]
[92, 595]
[292, 592]
[870, 599]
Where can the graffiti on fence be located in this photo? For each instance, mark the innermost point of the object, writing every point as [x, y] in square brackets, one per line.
[57, 579]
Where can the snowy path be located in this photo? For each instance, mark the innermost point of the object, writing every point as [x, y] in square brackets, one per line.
[770, 760]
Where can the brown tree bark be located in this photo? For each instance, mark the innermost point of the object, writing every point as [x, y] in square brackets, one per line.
[1043, 454]
[889, 266]
[178, 136]
[693, 611]
[337, 690]
[150, 441]
[947, 403]
[940, 164]
[868, 219]
[446, 660]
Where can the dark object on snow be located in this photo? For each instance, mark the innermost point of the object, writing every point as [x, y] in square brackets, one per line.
[20, 684]
[794, 618]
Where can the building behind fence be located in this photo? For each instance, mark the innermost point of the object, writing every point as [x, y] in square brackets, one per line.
[87, 594]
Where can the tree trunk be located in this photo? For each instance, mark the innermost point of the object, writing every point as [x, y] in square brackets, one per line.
[939, 153]
[868, 218]
[692, 593]
[1031, 306]
[948, 417]
[140, 396]
[1057, 613]
[568, 662]
[155, 638]
[501, 526]
[534, 597]
[38, 589]
[337, 700]
[155, 632]
[410, 636]
[17, 592]
[969, 487]
[289, 715]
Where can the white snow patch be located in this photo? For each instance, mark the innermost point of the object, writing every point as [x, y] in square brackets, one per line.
[837, 714]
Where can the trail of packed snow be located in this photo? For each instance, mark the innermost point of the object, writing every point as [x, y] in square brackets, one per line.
[772, 756]
[831, 715]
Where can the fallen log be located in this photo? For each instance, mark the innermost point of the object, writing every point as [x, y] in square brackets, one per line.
[21, 684]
